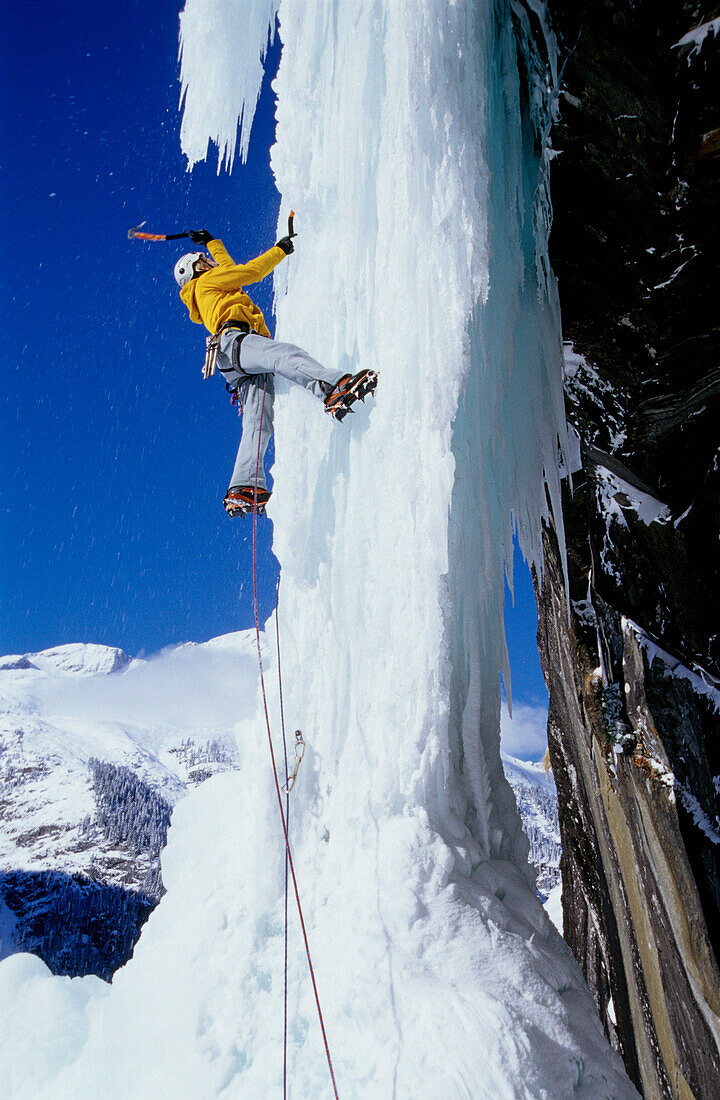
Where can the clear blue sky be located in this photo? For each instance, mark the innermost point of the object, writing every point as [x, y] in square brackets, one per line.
[115, 454]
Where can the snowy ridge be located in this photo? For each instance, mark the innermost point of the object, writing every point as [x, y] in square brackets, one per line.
[704, 685]
[402, 148]
[79, 658]
[617, 495]
[584, 386]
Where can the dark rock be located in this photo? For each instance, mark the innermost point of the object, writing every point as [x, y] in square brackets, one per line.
[12, 663]
[632, 665]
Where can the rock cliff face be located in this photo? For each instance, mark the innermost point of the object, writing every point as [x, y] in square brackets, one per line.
[632, 660]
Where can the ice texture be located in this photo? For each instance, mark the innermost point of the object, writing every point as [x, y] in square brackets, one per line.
[422, 215]
[214, 79]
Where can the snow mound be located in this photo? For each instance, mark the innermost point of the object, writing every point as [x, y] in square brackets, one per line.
[31, 1047]
[553, 907]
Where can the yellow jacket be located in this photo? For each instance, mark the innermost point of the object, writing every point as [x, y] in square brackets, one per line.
[217, 295]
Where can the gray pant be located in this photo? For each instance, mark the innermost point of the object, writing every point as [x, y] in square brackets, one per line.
[251, 371]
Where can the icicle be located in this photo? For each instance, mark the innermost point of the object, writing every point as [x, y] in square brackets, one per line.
[222, 48]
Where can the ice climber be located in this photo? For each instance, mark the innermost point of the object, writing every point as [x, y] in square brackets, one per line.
[246, 355]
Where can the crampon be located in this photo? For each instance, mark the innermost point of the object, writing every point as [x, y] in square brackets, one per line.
[240, 500]
[350, 388]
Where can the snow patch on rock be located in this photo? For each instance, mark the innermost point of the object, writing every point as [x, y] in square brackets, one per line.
[697, 36]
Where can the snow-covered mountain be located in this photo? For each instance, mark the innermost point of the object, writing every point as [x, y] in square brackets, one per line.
[536, 798]
[95, 750]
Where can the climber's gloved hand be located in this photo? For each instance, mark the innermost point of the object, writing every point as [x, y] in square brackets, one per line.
[200, 236]
[286, 244]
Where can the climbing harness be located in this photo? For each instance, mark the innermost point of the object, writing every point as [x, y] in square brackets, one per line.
[212, 344]
[283, 816]
[299, 753]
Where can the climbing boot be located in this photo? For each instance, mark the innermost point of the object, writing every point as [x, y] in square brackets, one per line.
[350, 388]
[240, 501]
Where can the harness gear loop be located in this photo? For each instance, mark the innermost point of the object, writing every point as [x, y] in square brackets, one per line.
[299, 753]
[212, 345]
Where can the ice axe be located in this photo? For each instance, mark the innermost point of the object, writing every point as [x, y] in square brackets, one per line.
[137, 234]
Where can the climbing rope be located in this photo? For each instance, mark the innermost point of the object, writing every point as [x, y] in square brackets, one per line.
[283, 818]
[287, 819]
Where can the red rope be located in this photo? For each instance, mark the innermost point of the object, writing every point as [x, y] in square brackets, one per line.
[287, 819]
[274, 765]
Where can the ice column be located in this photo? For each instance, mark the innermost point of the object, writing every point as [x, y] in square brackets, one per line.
[412, 155]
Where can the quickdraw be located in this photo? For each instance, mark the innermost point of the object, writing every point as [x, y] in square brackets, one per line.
[299, 753]
[212, 345]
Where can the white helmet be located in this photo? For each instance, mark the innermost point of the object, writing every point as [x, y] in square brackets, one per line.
[185, 267]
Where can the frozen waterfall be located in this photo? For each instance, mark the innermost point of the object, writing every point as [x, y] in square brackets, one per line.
[413, 152]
